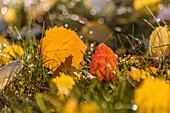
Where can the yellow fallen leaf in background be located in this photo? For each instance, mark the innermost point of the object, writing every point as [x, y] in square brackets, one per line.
[10, 53]
[159, 45]
[71, 106]
[153, 96]
[9, 71]
[89, 107]
[10, 15]
[4, 59]
[151, 70]
[138, 74]
[60, 43]
[14, 51]
[64, 84]
[139, 4]
[3, 42]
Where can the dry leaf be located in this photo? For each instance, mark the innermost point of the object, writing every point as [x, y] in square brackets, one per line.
[9, 71]
[60, 43]
[66, 67]
[104, 62]
[159, 44]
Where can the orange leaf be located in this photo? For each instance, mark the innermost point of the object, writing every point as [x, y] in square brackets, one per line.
[104, 62]
[60, 43]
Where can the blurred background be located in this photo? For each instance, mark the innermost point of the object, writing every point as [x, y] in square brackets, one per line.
[95, 21]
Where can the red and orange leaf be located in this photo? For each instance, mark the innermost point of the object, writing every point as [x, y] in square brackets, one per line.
[104, 61]
[60, 43]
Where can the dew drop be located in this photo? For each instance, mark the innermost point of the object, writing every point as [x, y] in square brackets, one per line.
[134, 107]
[81, 36]
[101, 21]
[118, 29]
[82, 22]
[65, 12]
[158, 19]
[4, 10]
[92, 44]
[93, 12]
[46, 7]
[66, 25]
[74, 17]
[5, 45]
[91, 32]
[118, 105]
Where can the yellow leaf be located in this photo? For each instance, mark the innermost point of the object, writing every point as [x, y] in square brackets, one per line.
[153, 96]
[71, 106]
[138, 74]
[60, 43]
[64, 84]
[151, 70]
[14, 51]
[159, 45]
[89, 107]
[4, 59]
[3, 42]
[10, 15]
[10, 53]
[139, 4]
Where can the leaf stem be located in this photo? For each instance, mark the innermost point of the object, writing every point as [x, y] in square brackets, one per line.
[33, 57]
[156, 58]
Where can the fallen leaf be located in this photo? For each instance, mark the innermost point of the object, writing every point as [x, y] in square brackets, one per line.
[71, 106]
[3, 42]
[138, 74]
[104, 63]
[13, 51]
[10, 53]
[4, 59]
[89, 107]
[64, 84]
[139, 4]
[66, 67]
[152, 96]
[60, 43]
[10, 15]
[8, 71]
[159, 45]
